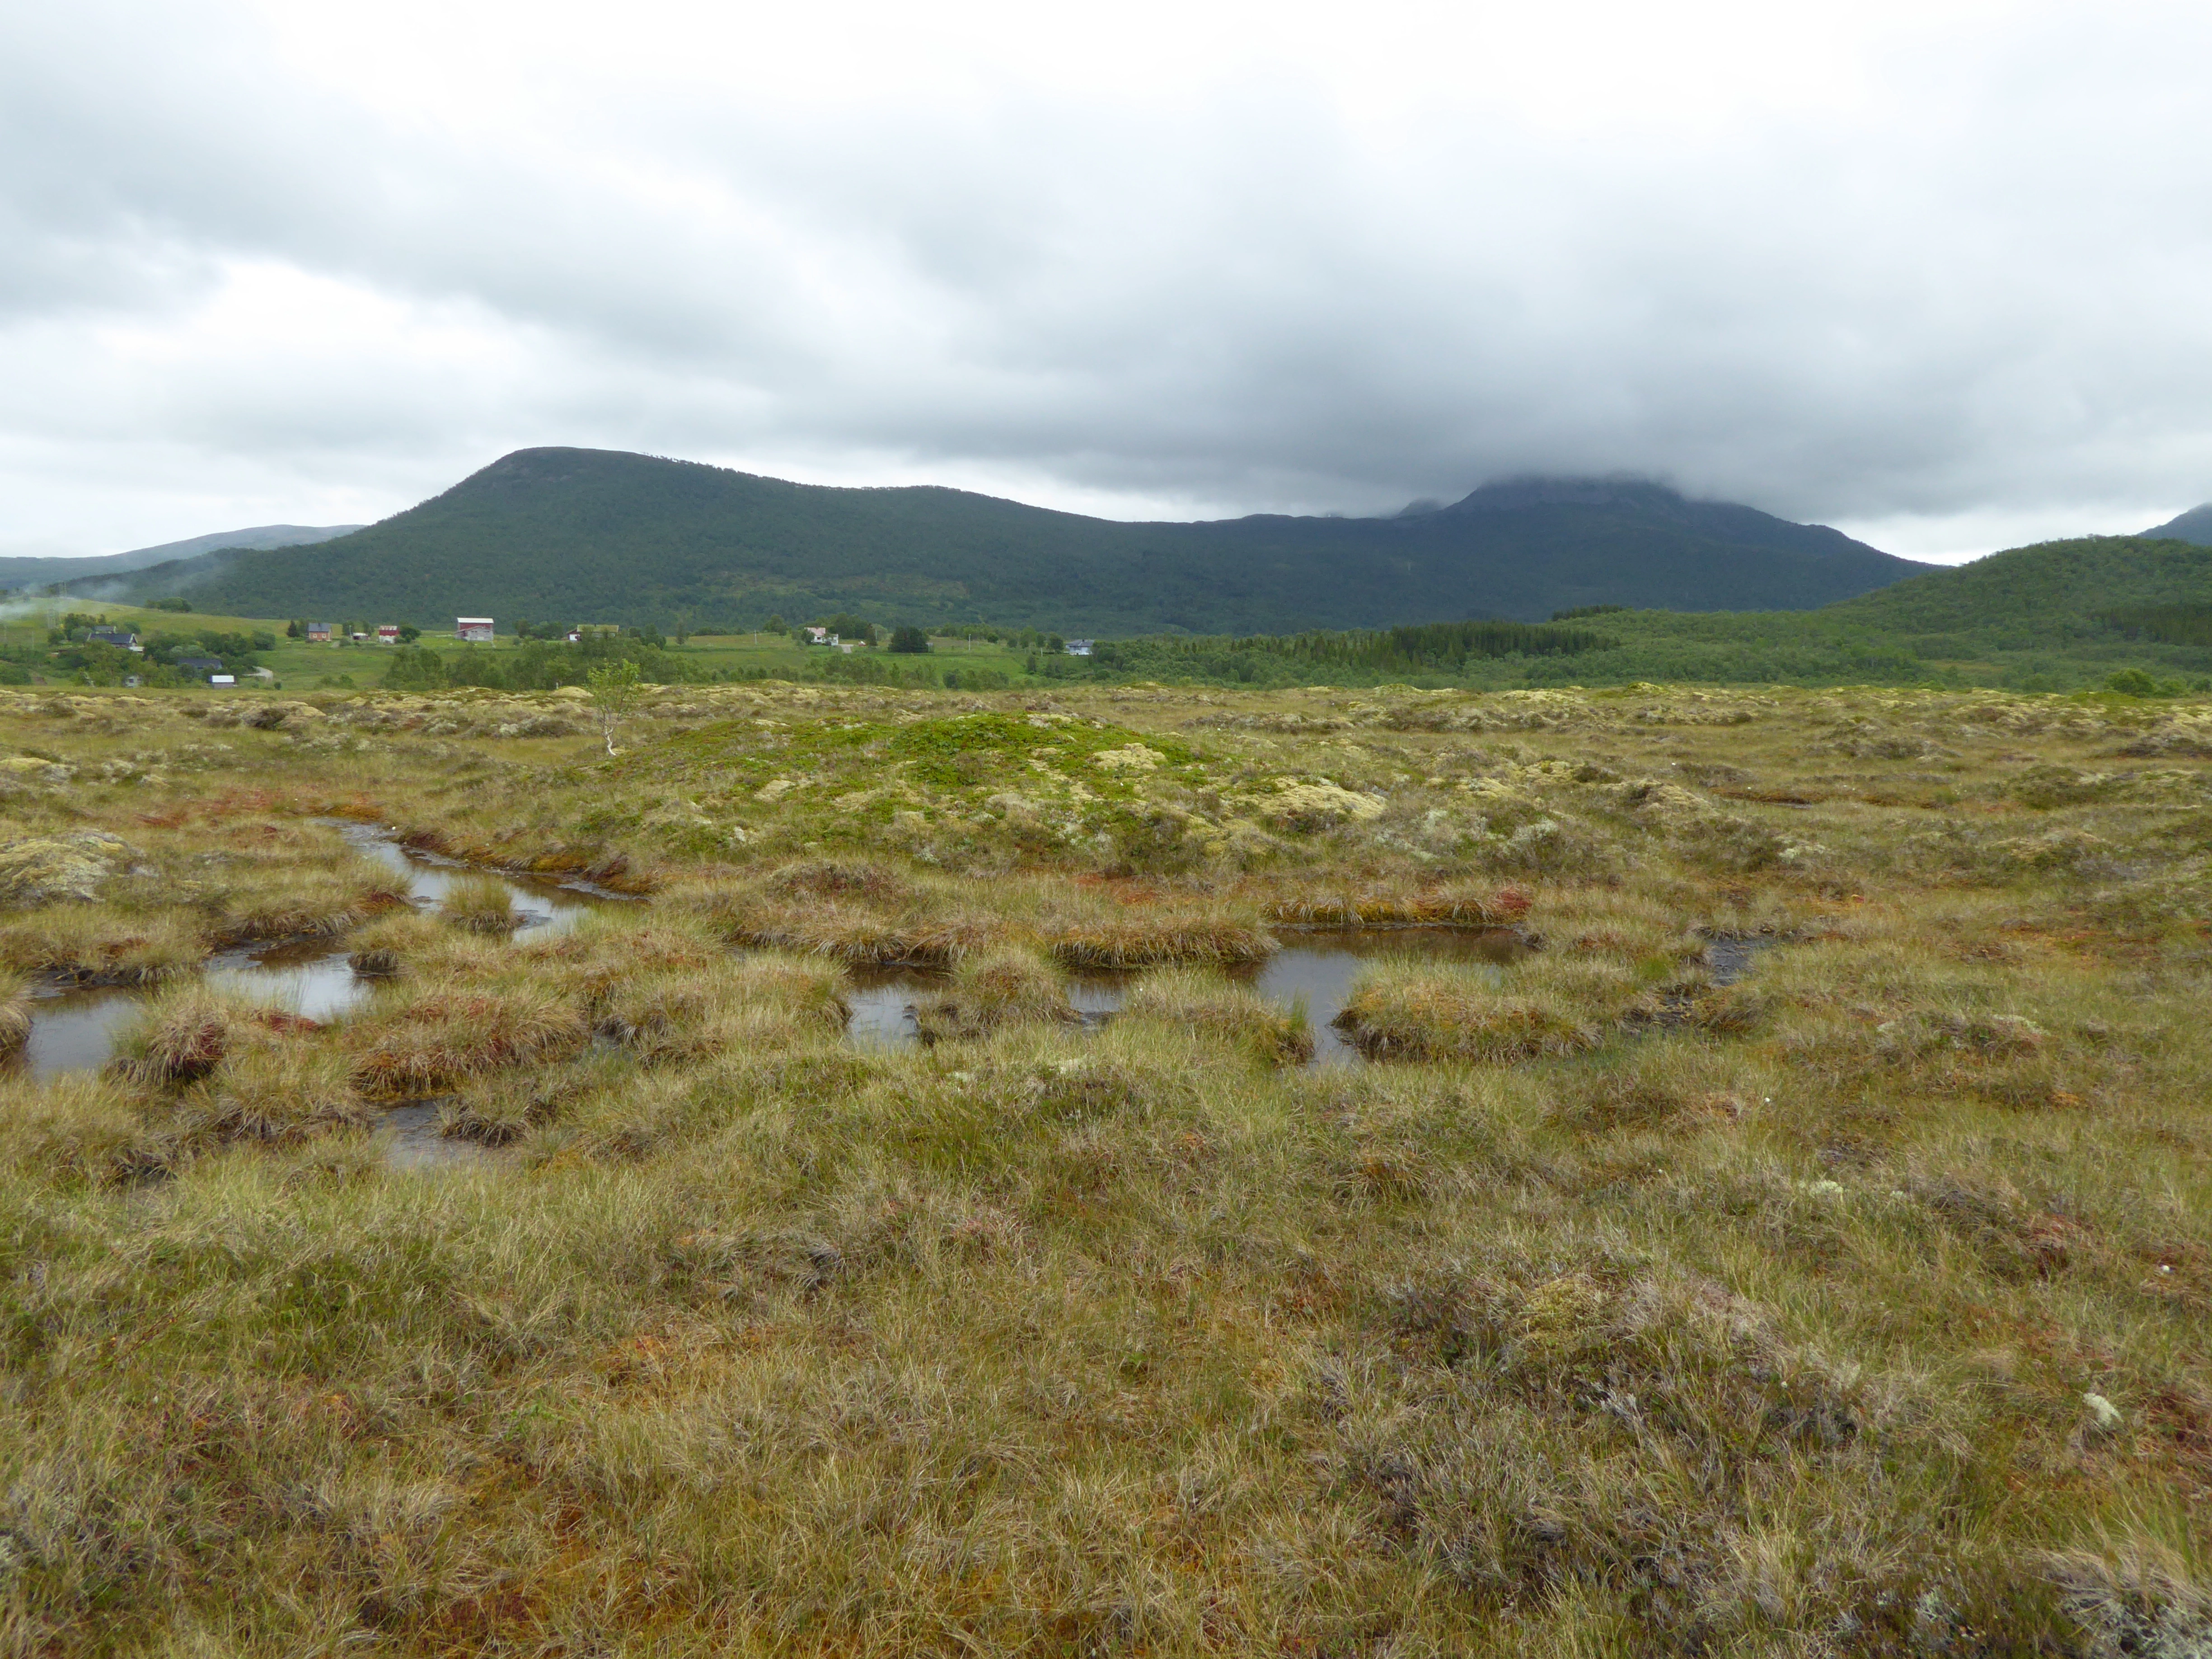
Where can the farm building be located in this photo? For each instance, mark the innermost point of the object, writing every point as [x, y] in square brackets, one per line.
[319, 633]
[387, 633]
[477, 629]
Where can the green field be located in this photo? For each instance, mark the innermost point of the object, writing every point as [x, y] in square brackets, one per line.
[300, 666]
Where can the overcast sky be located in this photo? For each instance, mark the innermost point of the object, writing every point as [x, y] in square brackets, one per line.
[1935, 272]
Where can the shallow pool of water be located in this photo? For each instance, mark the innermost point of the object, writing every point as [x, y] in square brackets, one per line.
[312, 981]
[1318, 969]
[75, 1030]
[1730, 956]
[411, 1140]
[883, 1002]
[883, 1007]
[537, 903]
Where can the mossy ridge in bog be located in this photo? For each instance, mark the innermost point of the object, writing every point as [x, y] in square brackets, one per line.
[958, 752]
[996, 747]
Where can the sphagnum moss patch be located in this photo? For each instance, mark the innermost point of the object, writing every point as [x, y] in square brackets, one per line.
[1857, 1306]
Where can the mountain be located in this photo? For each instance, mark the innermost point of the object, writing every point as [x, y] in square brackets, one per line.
[2194, 525]
[2041, 596]
[597, 535]
[31, 572]
[2059, 616]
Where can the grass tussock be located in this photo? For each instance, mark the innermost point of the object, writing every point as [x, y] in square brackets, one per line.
[732, 1007]
[15, 1013]
[479, 904]
[273, 1089]
[182, 1037]
[1449, 906]
[1409, 1011]
[384, 948]
[853, 933]
[103, 944]
[867, 880]
[1160, 938]
[501, 1109]
[77, 1129]
[440, 1034]
[1003, 987]
[1199, 1000]
[300, 904]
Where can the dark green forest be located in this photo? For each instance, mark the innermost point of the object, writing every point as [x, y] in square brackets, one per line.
[592, 535]
[2170, 625]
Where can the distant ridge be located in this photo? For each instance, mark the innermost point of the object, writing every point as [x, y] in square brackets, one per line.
[559, 534]
[2049, 595]
[2194, 525]
[21, 571]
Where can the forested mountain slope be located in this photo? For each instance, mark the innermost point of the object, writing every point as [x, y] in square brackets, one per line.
[597, 535]
[34, 571]
[2194, 525]
[2044, 595]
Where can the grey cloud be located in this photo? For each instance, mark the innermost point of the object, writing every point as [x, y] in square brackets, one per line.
[1980, 295]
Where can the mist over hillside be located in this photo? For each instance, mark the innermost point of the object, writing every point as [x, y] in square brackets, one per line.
[26, 572]
[581, 534]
